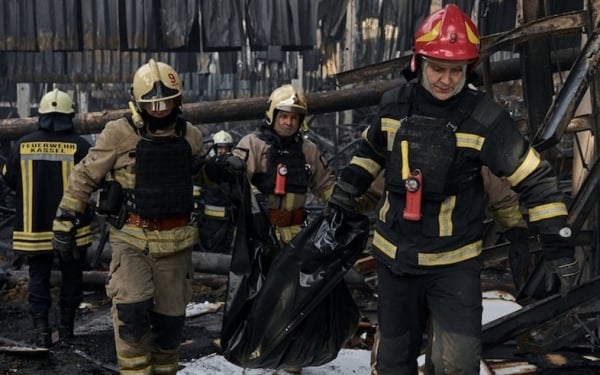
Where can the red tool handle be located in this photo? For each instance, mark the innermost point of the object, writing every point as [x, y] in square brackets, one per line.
[280, 179]
[414, 189]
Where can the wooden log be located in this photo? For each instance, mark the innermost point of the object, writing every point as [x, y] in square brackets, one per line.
[219, 111]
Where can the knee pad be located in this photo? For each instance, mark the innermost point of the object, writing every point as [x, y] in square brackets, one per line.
[136, 320]
[167, 330]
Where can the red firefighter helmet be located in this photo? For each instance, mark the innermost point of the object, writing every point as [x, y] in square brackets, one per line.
[447, 34]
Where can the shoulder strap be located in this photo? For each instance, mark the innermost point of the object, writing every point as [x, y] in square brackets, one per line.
[180, 127]
[465, 108]
[399, 96]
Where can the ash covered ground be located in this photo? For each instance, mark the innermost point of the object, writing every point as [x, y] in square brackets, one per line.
[92, 350]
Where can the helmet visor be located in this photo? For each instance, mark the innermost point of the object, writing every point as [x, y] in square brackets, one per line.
[158, 105]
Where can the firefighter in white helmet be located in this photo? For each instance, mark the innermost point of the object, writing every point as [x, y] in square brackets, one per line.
[217, 216]
[37, 168]
[146, 164]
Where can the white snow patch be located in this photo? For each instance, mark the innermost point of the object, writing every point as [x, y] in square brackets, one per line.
[348, 361]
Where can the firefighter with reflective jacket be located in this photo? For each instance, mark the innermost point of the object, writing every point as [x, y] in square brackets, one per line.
[281, 165]
[217, 223]
[145, 164]
[37, 168]
[432, 136]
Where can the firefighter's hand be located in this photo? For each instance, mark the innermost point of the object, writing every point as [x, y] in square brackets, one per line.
[230, 164]
[64, 229]
[343, 197]
[566, 270]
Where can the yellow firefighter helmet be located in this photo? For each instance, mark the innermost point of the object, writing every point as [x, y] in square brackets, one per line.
[56, 101]
[286, 98]
[222, 138]
[156, 81]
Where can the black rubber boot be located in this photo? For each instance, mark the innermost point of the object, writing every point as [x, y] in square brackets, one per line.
[67, 324]
[41, 330]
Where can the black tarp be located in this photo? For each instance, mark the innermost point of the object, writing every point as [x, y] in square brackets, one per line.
[293, 309]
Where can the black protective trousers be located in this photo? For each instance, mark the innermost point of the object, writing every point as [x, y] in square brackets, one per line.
[444, 301]
[40, 270]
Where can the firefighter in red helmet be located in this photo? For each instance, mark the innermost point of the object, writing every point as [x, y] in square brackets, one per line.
[433, 135]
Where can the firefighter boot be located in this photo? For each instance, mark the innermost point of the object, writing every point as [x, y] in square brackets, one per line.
[67, 324]
[41, 330]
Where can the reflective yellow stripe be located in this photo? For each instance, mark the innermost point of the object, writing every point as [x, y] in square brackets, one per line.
[390, 126]
[445, 216]
[531, 162]
[285, 234]
[32, 236]
[384, 245]
[431, 35]
[368, 165]
[384, 208]
[508, 217]
[31, 246]
[214, 211]
[27, 191]
[165, 368]
[472, 35]
[72, 204]
[547, 211]
[67, 167]
[134, 365]
[468, 140]
[450, 257]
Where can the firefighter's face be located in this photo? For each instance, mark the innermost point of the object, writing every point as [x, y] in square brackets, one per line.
[222, 150]
[444, 79]
[286, 123]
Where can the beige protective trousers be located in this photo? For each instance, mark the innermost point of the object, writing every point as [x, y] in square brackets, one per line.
[149, 296]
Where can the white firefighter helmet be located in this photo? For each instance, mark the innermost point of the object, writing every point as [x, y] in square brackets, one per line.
[286, 98]
[56, 101]
[222, 138]
[155, 82]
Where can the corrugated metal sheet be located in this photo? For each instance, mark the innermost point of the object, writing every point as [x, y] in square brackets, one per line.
[100, 43]
[222, 25]
[100, 24]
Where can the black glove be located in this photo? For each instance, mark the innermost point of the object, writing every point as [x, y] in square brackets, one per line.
[343, 196]
[228, 163]
[518, 254]
[560, 259]
[63, 240]
[566, 269]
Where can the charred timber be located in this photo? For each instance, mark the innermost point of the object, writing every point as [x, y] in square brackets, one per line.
[253, 108]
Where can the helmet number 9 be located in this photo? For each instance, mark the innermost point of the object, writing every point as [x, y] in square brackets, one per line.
[172, 78]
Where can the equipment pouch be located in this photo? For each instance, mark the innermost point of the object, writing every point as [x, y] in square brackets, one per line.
[110, 198]
[118, 220]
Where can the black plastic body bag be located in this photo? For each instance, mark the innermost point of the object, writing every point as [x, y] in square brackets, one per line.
[292, 309]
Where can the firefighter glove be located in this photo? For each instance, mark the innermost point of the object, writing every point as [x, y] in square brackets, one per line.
[343, 196]
[566, 269]
[221, 166]
[63, 240]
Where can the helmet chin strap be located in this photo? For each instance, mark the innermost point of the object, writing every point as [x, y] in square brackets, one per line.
[160, 123]
[425, 83]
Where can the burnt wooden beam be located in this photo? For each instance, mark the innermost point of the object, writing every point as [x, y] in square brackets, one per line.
[538, 85]
[569, 97]
[533, 315]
